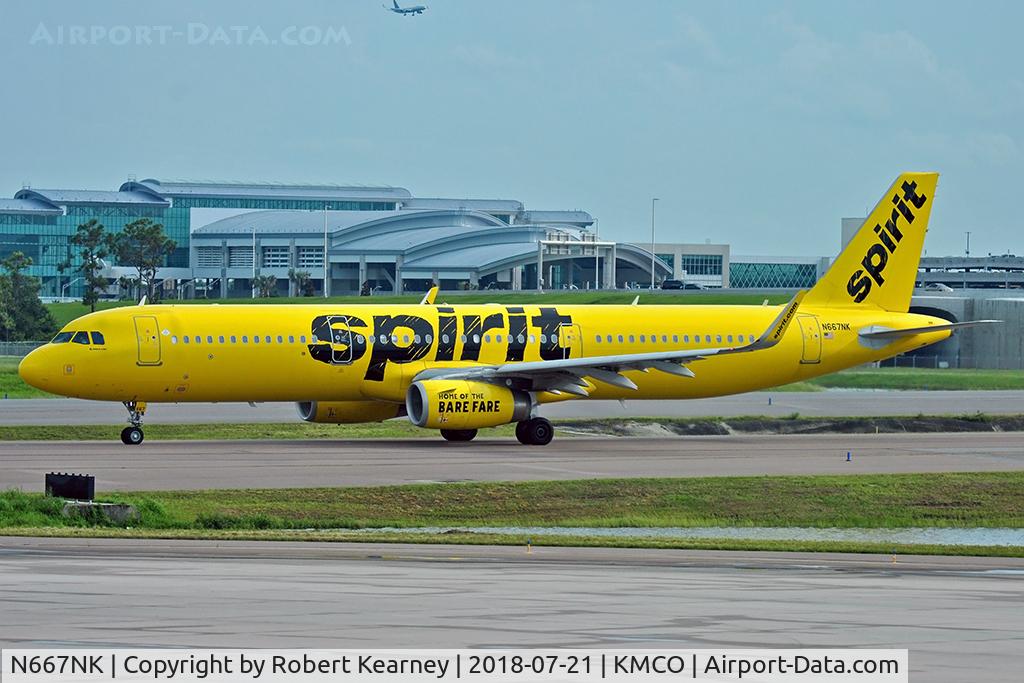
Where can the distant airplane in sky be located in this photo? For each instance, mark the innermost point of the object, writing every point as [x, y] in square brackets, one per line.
[406, 11]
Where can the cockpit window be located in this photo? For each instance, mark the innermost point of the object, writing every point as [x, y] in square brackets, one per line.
[81, 338]
[97, 339]
[62, 338]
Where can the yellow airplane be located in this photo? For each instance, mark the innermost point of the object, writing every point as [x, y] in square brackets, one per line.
[458, 368]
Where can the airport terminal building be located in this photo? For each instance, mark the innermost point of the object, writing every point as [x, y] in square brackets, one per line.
[227, 234]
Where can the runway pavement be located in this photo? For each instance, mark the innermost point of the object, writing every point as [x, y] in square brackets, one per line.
[834, 403]
[276, 464]
[961, 618]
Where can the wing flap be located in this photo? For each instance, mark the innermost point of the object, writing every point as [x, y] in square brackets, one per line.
[565, 374]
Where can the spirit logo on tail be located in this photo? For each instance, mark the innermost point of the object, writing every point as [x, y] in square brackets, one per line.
[877, 256]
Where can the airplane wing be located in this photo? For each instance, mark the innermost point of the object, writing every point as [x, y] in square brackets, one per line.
[566, 375]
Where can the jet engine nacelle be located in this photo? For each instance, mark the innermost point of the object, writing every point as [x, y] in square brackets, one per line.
[347, 412]
[461, 404]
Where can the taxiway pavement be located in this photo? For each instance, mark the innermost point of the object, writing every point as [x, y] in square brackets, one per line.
[169, 465]
[961, 618]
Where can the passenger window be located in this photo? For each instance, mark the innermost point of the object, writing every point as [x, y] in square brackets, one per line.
[62, 338]
[462, 338]
[280, 339]
[81, 338]
[729, 339]
[255, 339]
[598, 338]
[184, 339]
[632, 339]
[608, 339]
[360, 339]
[302, 339]
[718, 338]
[234, 339]
[707, 338]
[522, 339]
[383, 339]
[675, 338]
[416, 338]
[664, 337]
[476, 338]
[97, 339]
[487, 338]
[445, 338]
[533, 339]
[643, 339]
[405, 339]
[174, 340]
[686, 339]
[245, 339]
[199, 340]
[497, 338]
[430, 339]
[620, 338]
[543, 339]
[291, 339]
[221, 339]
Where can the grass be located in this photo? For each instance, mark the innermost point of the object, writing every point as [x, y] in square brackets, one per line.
[634, 426]
[982, 499]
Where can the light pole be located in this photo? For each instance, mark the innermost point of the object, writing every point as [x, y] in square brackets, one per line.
[327, 262]
[64, 288]
[968, 233]
[653, 200]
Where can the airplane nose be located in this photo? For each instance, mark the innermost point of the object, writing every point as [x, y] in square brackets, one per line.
[33, 370]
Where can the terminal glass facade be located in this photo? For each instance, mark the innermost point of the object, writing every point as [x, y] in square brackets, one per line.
[772, 275]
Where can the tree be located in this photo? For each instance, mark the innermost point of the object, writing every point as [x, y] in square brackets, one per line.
[303, 281]
[143, 246]
[265, 285]
[25, 317]
[93, 243]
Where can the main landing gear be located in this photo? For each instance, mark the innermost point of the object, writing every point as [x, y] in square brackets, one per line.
[132, 434]
[536, 431]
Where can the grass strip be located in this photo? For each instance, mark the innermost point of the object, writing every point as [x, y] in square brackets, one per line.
[973, 499]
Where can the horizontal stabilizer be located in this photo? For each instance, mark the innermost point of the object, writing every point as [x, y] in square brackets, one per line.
[879, 332]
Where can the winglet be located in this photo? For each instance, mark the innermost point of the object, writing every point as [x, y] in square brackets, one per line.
[142, 301]
[636, 300]
[428, 298]
[773, 335]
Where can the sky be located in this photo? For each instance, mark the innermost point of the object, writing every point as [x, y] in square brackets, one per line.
[757, 124]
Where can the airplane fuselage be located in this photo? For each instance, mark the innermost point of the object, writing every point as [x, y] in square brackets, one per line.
[345, 352]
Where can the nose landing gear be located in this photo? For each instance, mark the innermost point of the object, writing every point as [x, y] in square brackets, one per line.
[132, 435]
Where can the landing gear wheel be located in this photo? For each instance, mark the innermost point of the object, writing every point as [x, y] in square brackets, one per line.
[132, 436]
[536, 431]
[458, 434]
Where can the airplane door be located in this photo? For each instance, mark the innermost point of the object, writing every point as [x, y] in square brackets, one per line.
[811, 331]
[341, 340]
[147, 331]
[571, 341]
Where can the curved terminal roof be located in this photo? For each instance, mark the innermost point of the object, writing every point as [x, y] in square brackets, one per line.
[440, 240]
[327, 193]
[30, 206]
[59, 197]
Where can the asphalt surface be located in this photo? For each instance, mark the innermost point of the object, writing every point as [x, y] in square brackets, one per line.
[961, 618]
[159, 465]
[835, 403]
